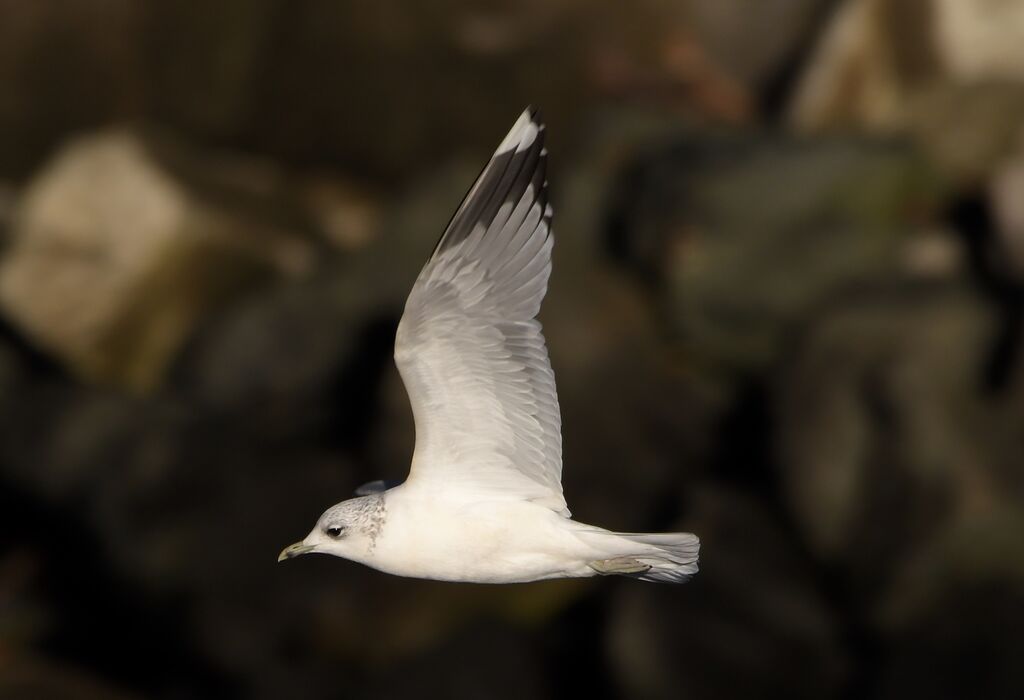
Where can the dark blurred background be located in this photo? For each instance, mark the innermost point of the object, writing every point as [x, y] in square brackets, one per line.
[786, 314]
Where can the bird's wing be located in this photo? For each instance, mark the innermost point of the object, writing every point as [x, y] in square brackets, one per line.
[469, 347]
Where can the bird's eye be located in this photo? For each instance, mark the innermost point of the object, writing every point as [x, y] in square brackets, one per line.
[335, 531]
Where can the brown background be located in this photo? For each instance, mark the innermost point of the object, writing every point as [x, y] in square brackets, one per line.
[786, 314]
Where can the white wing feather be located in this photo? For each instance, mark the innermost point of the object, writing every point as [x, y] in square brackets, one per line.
[469, 347]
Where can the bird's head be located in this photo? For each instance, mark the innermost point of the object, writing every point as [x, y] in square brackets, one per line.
[348, 529]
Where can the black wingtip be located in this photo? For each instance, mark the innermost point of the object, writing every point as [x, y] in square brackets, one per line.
[519, 160]
[536, 116]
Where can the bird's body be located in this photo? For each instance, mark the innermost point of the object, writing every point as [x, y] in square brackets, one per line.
[431, 536]
[426, 533]
[483, 501]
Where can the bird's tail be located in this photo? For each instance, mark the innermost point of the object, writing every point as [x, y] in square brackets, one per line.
[669, 557]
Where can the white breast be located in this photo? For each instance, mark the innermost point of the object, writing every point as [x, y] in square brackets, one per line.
[499, 541]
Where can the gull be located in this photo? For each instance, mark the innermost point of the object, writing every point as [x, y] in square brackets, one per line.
[483, 500]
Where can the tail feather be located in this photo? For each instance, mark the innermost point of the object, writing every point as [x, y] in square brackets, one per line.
[672, 556]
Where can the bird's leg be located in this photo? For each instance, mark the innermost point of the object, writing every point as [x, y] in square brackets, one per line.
[619, 565]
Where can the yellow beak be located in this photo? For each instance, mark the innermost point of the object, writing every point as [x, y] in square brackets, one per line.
[294, 550]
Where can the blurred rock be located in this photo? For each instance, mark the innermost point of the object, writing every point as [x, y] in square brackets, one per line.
[732, 33]
[966, 130]
[421, 615]
[947, 71]
[327, 57]
[980, 40]
[743, 236]
[888, 434]
[25, 617]
[349, 216]
[113, 259]
[11, 375]
[489, 660]
[900, 460]
[1006, 197]
[203, 63]
[284, 342]
[877, 56]
[164, 508]
[871, 55]
[223, 75]
[315, 353]
[966, 645]
[742, 628]
[7, 197]
[25, 677]
[64, 66]
[190, 507]
[301, 358]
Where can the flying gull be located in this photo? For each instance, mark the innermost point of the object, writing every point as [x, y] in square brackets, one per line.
[483, 500]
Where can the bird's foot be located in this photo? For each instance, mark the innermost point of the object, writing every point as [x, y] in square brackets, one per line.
[619, 565]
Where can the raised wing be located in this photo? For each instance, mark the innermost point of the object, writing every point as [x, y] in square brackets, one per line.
[469, 347]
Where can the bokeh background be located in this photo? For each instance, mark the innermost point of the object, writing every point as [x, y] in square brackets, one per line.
[786, 314]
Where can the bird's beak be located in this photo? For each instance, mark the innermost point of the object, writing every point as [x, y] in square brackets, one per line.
[294, 550]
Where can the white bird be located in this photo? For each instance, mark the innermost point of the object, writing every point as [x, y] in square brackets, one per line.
[483, 501]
